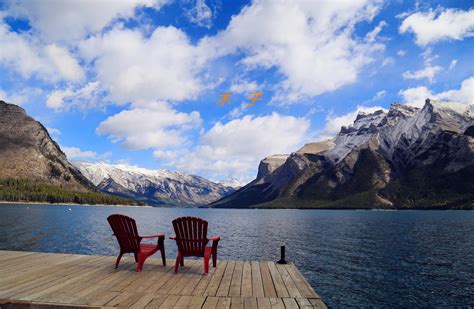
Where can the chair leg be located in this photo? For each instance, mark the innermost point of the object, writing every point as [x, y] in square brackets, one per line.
[117, 262]
[182, 261]
[206, 264]
[163, 256]
[214, 259]
[161, 245]
[136, 257]
[141, 261]
[176, 264]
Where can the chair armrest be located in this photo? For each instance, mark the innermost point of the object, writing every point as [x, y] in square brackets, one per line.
[154, 236]
[173, 237]
[215, 238]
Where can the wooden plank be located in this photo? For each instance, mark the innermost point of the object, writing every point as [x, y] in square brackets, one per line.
[250, 303]
[237, 303]
[317, 303]
[277, 280]
[103, 298]
[124, 299]
[213, 285]
[268, 287]
[224, 302]
[170, 301]
[303, 287]
[211, 302]
[224, 285]
[236, 281]
[157, 301]
[247, 280]
[142, 301]
[263, 303]
[289, 284]
[276, 303]
[183, 302]
[304, 303]
[257, 284]
[196, 302]
[290, 303]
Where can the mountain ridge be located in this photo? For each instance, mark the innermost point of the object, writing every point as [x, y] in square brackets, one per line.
[373, 160]
[155, 187]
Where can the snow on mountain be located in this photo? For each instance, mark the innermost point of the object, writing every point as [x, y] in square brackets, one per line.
[232, 183]
[405, 157]
[155, 187]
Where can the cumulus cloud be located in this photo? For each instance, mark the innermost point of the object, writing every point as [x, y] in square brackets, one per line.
[89, 96]
[334, 123]
[156, 126]
[431, 27]
[453, 63]
[309, 42]
[28, 57]
[416, 96]
[161, 67]
[75, 153]
[428, 72]
[59, 20]
[379, 95]
[200, 14]
[401, 52]
[20, 97]
[234, 148]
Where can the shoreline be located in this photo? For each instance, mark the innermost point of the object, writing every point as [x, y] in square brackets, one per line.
[68, 204]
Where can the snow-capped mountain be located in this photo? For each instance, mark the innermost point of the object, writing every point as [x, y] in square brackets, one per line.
[155, 187]
[404, 158]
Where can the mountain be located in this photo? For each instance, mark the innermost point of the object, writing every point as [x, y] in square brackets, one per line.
[154, 187]
[401, 159]
[33, 167]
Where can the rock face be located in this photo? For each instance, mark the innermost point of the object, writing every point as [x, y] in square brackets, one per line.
[404, 158]
[154, 187]
[28, 152]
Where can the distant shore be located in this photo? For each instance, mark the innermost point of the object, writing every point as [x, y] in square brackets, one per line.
[68, 204]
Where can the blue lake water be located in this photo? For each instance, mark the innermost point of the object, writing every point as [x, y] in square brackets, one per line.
[351, 258]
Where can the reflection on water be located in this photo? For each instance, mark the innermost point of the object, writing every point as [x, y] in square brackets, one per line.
[398, 258]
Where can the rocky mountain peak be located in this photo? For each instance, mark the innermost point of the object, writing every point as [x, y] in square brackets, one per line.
[28, 152]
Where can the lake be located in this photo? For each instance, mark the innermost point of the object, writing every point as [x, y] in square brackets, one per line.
[351, 258]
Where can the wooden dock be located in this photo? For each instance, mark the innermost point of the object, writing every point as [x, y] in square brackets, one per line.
[51, 280]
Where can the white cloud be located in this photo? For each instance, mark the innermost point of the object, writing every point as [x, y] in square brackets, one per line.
[417, 96]
[161, 67]
[59, 20]
[20, 97]
[75, 153]
[156, 126]
[244, 86]
[28, 57]
[379, 95]
[372, 35]
[334, 123]
[200, 14]
[428, 72]
[453, 64]
[309, 42]
[401, 52]
[432, 27]
[234, 149]
[89, 96]
[388, 61]
[65, 63]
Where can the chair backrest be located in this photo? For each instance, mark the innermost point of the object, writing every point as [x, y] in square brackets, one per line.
[125, 229]
[191, 235]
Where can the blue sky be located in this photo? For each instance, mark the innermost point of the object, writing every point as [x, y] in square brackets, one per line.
[136, 82]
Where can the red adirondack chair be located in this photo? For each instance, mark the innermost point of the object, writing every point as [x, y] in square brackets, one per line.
[125, 229]
[191, 238]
